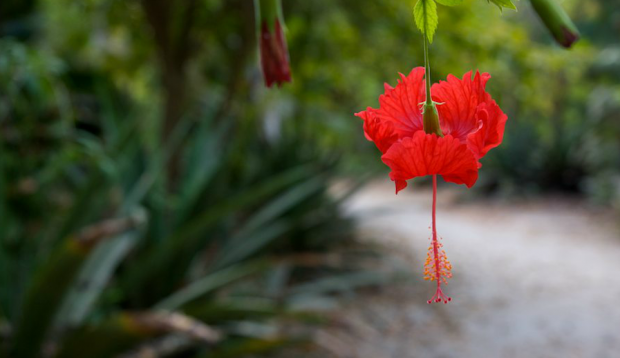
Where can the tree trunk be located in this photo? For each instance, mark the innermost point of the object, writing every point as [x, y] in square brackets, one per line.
[173, 50]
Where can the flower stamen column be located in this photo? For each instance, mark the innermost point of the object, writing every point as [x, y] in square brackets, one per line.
[437, 266]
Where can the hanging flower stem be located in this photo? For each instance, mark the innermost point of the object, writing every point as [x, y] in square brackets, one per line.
[427, 67]
[430, 118]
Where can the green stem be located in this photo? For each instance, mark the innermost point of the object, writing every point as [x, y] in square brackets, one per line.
[430, 117]
[427, 66]
[268, 11]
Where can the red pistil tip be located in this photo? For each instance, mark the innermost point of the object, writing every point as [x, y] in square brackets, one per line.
[439, 297]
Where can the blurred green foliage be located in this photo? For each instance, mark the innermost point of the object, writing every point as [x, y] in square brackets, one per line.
[144, 168]
[140, 176]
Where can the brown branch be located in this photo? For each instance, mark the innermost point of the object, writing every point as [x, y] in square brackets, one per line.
[173, 48]
[183, 40]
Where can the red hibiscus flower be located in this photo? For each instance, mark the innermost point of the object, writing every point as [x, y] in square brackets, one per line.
[470, 124]
[274, 54]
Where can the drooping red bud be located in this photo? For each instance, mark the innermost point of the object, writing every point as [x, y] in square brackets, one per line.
[274, 54]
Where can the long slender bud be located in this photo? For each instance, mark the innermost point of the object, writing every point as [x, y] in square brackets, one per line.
[557, 21]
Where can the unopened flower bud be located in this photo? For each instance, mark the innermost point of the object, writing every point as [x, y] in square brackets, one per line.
[557, 21]
[273, 49]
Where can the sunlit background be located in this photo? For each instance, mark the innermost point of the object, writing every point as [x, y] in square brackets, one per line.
[157, 200]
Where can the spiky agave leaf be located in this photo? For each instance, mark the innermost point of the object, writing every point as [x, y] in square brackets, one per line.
[53, 279]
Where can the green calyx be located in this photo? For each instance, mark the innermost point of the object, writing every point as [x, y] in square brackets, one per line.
[268, 11]
[430, 119]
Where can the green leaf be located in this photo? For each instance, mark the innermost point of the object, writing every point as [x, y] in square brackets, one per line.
[44, 296]
[95, 274]
[53, 280]
[156, 266]
[261, 229]
[425, 14]
[231, 309]
[450, 2]
[208, 284]
[243, 347]
[501, 4]
[127, 330]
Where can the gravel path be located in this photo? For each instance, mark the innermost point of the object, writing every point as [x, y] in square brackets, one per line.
[531, 279]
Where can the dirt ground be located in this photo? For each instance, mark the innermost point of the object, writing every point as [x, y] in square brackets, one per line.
[532, 278]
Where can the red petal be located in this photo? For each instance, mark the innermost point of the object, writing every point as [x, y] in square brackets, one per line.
[427, 154]
[491, 132]
[380, 132]
[460, 100]
[400, 184]
[469, 113]
[401, 104]
[399, 114]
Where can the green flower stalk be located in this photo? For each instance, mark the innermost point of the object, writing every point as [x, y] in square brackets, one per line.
[430, 117]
